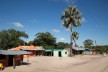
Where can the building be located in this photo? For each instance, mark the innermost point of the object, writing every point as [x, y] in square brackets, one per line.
[35, 50]
[12, 58]
[78, 50]
[56, 52]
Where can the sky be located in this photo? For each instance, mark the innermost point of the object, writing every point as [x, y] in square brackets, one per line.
[33, 16]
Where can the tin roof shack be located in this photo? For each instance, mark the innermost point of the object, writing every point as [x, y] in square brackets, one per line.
[88, 51]
[78, 50]
[12, 58]
[35, 50]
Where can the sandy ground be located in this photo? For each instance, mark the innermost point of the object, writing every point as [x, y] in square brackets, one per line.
[79, 63]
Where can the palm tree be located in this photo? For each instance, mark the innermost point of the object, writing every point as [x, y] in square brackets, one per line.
[71, 18]
[75, 36]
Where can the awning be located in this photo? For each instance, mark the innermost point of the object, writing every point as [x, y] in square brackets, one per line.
[11, 52]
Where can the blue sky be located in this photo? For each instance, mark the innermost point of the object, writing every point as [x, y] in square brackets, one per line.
[33, 16]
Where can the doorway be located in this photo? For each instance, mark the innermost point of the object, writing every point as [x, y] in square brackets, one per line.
[10, 60]
[59, 54]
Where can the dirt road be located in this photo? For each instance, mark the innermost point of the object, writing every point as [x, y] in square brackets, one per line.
[84, 63]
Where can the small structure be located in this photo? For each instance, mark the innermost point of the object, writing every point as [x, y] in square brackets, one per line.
[12, 58]
[78, 50]
[88, 51]
[35, 50]
[56, 52]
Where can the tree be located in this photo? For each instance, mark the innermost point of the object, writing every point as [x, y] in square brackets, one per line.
[47, 40]
[75, 36]
[88, 42]
[11, 38]
[62, 45]
[30, 43]
[71, 18]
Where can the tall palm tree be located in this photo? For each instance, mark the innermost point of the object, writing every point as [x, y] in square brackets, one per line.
[75, 36]
[71, 18]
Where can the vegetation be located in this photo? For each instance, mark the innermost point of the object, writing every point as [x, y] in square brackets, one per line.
[75, 36]
[11, 38]
[62, 45]
[71, 18]
[88, 42]
[100, 49]
[47, 40]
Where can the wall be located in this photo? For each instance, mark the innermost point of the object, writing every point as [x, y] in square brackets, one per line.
[64, 53]
[5, 61]
[55, 53]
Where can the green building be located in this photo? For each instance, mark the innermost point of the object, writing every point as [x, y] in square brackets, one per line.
[56, 52]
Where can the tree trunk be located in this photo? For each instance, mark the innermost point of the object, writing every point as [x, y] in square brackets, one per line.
[71, 43]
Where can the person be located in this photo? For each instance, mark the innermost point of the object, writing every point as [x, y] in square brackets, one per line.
[1, 66]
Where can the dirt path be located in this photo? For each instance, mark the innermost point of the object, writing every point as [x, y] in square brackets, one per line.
[84, 63]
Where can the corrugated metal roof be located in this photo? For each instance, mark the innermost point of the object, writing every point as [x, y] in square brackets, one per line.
[32, 49]
[11, 52]
[78, 48]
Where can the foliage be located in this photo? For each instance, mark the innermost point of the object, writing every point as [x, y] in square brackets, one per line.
[45, 39]
[75, 36]
[11, 38]
[62, 45]
[100, 49]
[88, 42]
[71, 17]
[30, 43]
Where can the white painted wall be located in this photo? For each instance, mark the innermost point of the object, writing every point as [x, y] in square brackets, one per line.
[55, 53]
[64, 53]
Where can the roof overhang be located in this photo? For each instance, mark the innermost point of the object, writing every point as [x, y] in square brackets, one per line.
[12, 52]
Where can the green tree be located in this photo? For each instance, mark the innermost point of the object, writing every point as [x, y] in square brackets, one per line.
[75, 36]
[88, 42]
[62, 45]
[11, 38]
[71, 18]
[47, 40]
[30, 43]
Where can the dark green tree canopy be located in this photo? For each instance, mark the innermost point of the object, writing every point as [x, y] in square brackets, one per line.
[11, 38]
[62, 45]
[45, 39]
[88, 42]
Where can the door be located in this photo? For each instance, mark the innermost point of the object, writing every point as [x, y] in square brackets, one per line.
[10, 60]
[60, 54]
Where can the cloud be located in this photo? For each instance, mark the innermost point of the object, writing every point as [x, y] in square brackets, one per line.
[56, 30]
[17, 24]
[84, 20]
[67, 1]
[62, 39]
[70, 1]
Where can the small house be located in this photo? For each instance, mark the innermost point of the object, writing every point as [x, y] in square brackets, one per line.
[12, 58]
[56, 52]
[35, 50]
[78, 50]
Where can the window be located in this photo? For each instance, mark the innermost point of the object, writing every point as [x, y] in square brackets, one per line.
[65, 52]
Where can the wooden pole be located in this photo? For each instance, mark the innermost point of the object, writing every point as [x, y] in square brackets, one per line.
[28, 59]
[13, 62]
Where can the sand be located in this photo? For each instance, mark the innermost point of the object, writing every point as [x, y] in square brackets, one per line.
[79, 63]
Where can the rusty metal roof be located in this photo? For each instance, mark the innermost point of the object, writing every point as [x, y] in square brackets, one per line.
[11, 52]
